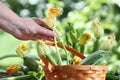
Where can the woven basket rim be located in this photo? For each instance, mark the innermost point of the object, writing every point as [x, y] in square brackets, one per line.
[78, 67]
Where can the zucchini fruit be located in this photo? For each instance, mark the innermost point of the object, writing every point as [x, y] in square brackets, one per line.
[51, 59]
[95, 58]
[30, 62]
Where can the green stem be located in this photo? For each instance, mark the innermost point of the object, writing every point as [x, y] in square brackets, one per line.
[82, 48]
[67, 55]
[23, 77]
[58, 54]
[95, 45]
[4, 72]
[12, 55]
[7, 56]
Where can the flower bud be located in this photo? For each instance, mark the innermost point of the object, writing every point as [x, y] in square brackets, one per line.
[51, 17]
[21, 49]
[109, 43]
[42, 48]
[97, 29]
[84, 38]
[12, 69]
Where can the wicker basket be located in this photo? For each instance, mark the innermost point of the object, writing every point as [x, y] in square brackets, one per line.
[76, 72]
[73, 72]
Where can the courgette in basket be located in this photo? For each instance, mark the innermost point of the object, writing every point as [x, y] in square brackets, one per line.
[95, 58]
[43, 50]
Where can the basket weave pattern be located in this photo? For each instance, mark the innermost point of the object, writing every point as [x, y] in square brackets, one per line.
[76, 72]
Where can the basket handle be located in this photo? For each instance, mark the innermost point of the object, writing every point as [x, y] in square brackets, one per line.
[49, 43]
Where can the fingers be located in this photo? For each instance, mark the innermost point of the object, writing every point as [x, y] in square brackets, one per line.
[35, 29]
[44, 38]
[45, 31]
[40, 22]
[34, 37]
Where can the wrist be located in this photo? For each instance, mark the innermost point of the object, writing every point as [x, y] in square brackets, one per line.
[8, 19]
[10, 25]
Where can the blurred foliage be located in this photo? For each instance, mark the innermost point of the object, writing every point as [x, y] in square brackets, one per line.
[77, 17]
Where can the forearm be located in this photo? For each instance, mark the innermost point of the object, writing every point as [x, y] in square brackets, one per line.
[8, 18]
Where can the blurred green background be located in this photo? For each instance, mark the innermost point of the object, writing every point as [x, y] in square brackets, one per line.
[76, 13]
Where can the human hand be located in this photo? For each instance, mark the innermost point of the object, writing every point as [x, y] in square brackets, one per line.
[32, 29]
[23, 29]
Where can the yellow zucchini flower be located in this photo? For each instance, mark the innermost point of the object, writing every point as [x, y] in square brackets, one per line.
[51, 17]
[84, 38]
[42, 48]
[108, 43]
[76, 60]
[12, 69]
[97, 29]
[21, 49]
